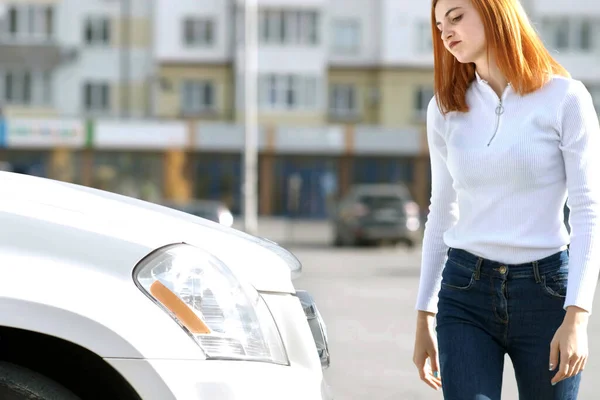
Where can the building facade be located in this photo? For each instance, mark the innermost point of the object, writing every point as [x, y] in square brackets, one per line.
[323, 66]
[70, 58]
[343, 87]
[365, 65]
[319, 62]
[572, 32]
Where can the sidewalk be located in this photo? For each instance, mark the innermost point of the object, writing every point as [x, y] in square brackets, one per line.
[291, 231]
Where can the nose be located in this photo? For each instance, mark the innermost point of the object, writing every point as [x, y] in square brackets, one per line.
[446, 35]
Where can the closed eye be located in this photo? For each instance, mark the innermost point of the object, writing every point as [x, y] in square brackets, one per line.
[456, 19]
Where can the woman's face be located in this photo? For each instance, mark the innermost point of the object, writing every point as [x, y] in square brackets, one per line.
[461, 30]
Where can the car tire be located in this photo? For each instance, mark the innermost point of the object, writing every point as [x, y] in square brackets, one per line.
[19, 383]
[337, 241]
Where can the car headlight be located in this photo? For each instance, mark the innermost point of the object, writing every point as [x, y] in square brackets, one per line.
[227, 318]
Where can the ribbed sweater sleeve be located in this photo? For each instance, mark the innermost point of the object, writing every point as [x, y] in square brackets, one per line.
[443, 212]
[580, 145]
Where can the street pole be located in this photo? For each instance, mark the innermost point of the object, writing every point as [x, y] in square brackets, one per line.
[250, 171]
[125, 56]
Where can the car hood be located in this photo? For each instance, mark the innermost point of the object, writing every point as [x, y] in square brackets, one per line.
[61, 220]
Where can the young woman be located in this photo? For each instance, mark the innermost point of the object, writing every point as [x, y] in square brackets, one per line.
[510, 135]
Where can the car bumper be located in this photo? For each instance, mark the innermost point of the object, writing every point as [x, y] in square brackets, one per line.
[223, 380]
[375, 232]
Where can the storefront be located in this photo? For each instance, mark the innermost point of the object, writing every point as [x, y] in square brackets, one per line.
[139, 158]
[371, 169]
[305, 186]
[302, 172]
[218, 177]
[50, 148]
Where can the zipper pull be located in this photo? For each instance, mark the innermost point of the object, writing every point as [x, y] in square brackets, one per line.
[499, 109]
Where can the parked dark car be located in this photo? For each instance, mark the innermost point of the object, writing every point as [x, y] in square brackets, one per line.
[372, 213]
[212, 210]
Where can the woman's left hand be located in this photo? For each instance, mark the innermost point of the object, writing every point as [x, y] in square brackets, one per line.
[570, 343]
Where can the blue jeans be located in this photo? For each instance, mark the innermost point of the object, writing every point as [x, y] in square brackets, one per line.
[487, 309]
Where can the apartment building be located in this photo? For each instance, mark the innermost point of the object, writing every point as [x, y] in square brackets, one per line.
[199, 49]
[29, 56]
[314, 67]
[193, 50]
[319, 61]
[380, 62]
[572, 32]
[112, 76]
[76, 58]
[343, 85]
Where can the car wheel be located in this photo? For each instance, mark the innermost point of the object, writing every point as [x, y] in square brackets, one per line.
[338, 241]
[410, 243]
[18, 383]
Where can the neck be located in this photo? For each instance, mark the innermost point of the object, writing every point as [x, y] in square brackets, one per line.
[492, 74]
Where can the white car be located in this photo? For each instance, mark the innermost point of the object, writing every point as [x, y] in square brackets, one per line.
[107, 297]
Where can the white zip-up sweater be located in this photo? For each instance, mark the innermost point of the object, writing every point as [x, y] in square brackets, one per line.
[500, 176]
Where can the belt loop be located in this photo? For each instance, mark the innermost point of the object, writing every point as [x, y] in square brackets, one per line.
[478, 268]
[536, 272]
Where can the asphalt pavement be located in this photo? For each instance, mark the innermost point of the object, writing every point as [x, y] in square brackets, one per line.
[292, 232]
[367, 298]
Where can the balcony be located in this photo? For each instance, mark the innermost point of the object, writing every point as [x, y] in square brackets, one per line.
[46, 55]
[27, 37]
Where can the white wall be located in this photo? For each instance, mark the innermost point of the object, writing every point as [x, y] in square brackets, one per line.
[399, 32]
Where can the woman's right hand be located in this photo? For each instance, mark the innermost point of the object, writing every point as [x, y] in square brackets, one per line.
[426, 349]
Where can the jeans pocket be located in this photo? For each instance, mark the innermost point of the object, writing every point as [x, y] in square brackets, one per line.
[457, 277]
[555, 284]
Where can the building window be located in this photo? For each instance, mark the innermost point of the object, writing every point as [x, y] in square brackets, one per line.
[13, 21]
[343, 101]
[570, 33]
[346, 36]
[30, 22]
[97, 31]
[26, 88]
[287, 92]
[556, 32]
[46, 88]
[423, 96]
[96, 97]
[18, 87]
[288, 27]
[424, 39]
[197, 97]
[584, 33]
[198, 32]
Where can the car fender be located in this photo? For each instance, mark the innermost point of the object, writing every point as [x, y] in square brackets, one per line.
[98, 311]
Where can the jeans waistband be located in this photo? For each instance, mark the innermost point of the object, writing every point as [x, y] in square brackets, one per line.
[532, 269]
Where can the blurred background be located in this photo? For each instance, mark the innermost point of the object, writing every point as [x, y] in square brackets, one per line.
[147, 98]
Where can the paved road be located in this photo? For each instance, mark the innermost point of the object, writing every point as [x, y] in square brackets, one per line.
[292, 231]
[367, 298]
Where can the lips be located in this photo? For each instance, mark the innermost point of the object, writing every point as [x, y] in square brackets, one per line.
[452, 44]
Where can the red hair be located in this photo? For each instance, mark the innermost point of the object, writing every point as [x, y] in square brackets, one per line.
[518, 50]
